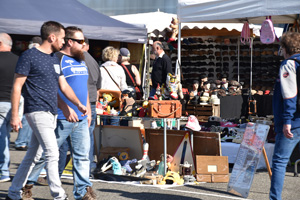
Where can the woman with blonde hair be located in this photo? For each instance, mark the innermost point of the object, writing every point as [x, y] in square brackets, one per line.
[112, 76]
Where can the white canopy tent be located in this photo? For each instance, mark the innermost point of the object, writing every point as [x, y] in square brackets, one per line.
[157, 23]
[236, 11]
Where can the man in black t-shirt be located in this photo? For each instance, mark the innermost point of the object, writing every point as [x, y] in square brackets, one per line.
[8, 62]
[39, 75]
[161, 67]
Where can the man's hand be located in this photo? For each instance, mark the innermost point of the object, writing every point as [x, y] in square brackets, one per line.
[70, 114]
[287, 131]
[83, 109]
[89, 118]
[16, 123]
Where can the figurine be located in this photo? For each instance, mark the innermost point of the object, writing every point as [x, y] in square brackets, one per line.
[144, 109]
[128, 104]
[174, 27]
[174, 87]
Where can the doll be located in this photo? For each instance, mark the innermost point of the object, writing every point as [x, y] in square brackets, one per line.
[174, 27]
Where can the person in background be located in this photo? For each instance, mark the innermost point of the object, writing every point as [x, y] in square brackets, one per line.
[39, 74]
[8, 62]
[286, 111]
[112, 76]
[25, 132]
[36, 41]
[133, 78]
[162, 65]
[94, 84]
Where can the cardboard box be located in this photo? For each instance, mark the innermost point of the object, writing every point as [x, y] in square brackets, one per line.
[212, 169]
[212, 165]
[212, 178]
[111, 151]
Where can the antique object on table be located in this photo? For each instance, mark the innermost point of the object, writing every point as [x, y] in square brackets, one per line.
[164, 109]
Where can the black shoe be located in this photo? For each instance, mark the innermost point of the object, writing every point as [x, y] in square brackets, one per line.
[23, 148]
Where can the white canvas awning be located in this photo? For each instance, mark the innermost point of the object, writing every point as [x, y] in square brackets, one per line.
[237, 11]
[158, 25]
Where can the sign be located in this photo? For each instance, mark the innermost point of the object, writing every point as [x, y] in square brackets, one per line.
[247, 159]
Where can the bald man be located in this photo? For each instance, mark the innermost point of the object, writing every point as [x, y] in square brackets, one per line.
[162, 65]
[8, 62]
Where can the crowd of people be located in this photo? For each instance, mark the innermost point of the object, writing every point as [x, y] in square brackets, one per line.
[61, 83]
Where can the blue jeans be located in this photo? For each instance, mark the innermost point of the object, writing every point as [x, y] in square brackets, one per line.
[39, 165]
[42, 140]
[80, 147]
[5, 115]
[152, 92]
[91, 130]
[283, 149]
[63, 151]
[24, 135]
[114, 121]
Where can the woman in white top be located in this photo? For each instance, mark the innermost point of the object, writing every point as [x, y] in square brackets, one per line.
[110, 57]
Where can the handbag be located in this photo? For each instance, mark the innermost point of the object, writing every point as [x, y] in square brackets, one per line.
[138, 92]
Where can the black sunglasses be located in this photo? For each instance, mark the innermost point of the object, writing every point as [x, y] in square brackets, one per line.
[76, 40]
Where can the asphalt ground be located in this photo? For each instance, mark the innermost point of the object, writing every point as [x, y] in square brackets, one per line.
[121, 191]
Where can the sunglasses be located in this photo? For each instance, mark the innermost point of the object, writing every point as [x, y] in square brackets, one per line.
[76, 40]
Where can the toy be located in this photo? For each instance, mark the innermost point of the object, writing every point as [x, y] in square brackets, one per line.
[194, 97]
[114, 163]
[174, 87]
[174, 27]
[158, 93]
[141, 166]
[146, 149]
[110, 100]
[172, 178]
[123, 156]
[128, 104]
[144, 109]
[126, 164]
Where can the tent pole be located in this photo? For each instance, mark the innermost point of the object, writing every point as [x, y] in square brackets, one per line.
[251, 59]
[177, 70]
[144, 84]
[238, 59]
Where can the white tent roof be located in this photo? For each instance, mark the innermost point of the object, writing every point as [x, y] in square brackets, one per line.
[157, 23]
[235, 11]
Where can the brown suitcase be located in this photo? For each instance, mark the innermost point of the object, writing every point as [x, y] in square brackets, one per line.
[164, 108]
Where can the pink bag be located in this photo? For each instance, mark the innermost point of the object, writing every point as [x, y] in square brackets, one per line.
[267, 32]
[246, 34]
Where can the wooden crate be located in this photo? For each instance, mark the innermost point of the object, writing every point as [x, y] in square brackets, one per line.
[203, 112]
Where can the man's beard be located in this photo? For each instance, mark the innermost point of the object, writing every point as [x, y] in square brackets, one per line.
[77, 54]
[55, 48]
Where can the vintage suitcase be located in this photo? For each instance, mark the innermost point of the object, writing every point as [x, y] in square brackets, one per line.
[164, 108]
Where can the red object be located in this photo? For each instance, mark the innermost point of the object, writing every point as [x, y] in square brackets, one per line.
[228, 124]
[267, 92]
[143, 112]
[171, 40]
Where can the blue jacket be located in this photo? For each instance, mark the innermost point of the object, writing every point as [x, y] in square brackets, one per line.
[285, 95]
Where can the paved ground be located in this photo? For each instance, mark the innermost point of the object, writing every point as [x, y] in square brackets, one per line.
[118, 191]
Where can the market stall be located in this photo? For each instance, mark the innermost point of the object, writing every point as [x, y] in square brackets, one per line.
[26, 18]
